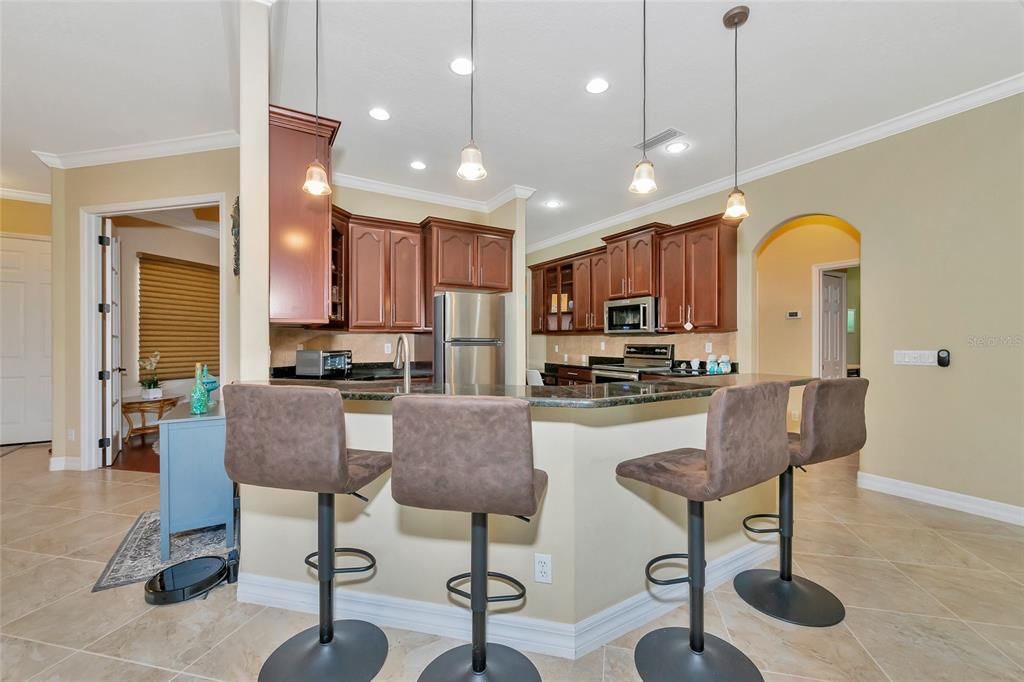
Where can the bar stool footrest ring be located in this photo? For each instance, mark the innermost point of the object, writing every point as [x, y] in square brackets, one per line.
[520, 592]
[751, 529]
[659, 559]
[371, 561]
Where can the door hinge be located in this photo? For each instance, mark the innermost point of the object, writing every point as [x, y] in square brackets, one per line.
[104, 375]
[104, 240]
[104, 443]
[104, 307]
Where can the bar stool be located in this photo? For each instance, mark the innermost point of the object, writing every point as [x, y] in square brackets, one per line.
[746, 445]
[831, 426]
[293, 438]
[470, 455]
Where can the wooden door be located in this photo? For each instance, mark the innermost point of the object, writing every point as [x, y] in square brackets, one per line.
[494, 262]
[537, 301]
[702, 276]
[618, 268]
[406, 290]
[640, 271]
[368, 282]
[672, 281]
[582, 314]
[599, 288]
[455, 257]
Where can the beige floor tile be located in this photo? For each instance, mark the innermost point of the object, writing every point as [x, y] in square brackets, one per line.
[590, 668]
[807, 510]
[410, 652]
[14, 561]
[619, 665]
[136, 507]
[110, 496]
[26, 592]
[21, 659]
[175, 636]
[948, 519]
[120, 476]
[980, 596]
[82, 617]
[826, 653]
[101, 550]
[1008, 640]
[38, 520]
[779, 677]
[8, 510]
[185, 677]
[1005, 553]
[823, 537]
[62, 540]
[241, 654]
[870, 583]
[812, 487]
[679, 618]
[57, 493]
[922, 648]
[916, 546]
[84, 667]
[871, 508]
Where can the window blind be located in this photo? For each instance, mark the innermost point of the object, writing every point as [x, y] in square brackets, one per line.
[179, 308]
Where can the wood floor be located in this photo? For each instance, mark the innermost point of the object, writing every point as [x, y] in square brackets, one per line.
[138, 455]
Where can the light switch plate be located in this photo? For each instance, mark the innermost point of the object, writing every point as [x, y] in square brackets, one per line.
[924, 358]
[707, 347]
[387, 348]
[602, 345]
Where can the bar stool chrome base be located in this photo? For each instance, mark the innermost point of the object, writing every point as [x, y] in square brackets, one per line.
[356, 654]
[798, 601]
[504, 664]
[665, 656]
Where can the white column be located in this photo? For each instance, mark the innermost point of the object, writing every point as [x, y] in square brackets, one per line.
[512, 215]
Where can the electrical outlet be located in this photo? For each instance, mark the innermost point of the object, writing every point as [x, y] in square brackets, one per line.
[602, 345]
[565, 357]
[556, 347]
[71, 434]
[707, 349]
[542, 568]
[586, 359]
[387, 348]
[300, 346]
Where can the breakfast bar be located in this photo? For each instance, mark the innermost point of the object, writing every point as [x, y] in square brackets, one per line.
[597, 529]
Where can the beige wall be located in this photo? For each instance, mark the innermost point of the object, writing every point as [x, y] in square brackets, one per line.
[24, 217]
[362, 202]
[784, 283]
[72, 190]
[940, 213]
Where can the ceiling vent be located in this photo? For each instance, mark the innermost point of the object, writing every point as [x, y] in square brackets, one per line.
[660, 139]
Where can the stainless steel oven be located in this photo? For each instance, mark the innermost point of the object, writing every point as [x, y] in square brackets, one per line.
[630, 316]
[637, 358]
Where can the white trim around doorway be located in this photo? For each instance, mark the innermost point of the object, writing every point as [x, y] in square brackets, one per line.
[816, 271]
[91, 224]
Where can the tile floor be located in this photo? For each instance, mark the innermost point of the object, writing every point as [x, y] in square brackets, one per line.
[931, 594]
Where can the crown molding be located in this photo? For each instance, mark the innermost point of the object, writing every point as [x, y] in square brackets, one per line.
[268, 3]
[224, 139]
[22, 195]
[406, 192]
[1008, 87]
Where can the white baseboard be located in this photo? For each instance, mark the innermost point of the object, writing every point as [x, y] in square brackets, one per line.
[978, 506]
[65, 463]
[564, 640]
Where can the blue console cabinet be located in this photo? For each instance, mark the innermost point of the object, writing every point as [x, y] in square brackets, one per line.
[195, 491]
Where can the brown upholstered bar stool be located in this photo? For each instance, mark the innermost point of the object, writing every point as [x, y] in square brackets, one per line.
[293, 438]
[470, 455]
[831, 426]
[746, 445]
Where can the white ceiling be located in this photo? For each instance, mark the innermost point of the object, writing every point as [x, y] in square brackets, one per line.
[86, 75]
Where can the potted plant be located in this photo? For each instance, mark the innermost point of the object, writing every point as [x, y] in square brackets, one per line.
[148, 378]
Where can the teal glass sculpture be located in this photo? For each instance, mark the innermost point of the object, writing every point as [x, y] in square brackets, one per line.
[200, 398]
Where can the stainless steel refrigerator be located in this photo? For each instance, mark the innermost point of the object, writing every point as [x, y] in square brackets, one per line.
[469, 338]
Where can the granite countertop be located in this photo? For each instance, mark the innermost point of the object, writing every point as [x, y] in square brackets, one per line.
[578, 396]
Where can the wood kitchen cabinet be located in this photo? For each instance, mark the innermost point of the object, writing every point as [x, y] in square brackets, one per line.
[697, 280]
[537, 301]
[338, 311]
[570, 376]
[632, 261]
[300, 224]
[385, 275]
[568, 295]
[467, 256]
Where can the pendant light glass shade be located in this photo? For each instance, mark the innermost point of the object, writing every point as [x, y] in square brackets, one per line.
[643, 178]
[736, 205]
[472, 166]
[316, 182]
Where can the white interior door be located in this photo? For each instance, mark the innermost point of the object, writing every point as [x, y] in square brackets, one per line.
[833, 325]
[117, 371]
[25, 344]
[110, 361]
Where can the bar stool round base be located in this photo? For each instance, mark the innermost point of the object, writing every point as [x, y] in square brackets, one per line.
[798, 601]
[665, 656]
[356, 654]
[504, 664]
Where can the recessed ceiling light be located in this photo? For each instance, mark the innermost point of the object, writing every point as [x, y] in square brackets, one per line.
[595, 86]
[677, 147]
[380, 114]
[417, 165]
[461, 66]
[552, 203]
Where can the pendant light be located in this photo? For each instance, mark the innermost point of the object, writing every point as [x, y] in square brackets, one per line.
[472, 165]
[643, 173]
[736, 204]
[317, 183]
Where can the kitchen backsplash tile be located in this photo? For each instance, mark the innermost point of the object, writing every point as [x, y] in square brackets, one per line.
[688, 346]
[364, 347]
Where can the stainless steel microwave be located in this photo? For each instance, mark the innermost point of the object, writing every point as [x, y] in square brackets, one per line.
[631, 316]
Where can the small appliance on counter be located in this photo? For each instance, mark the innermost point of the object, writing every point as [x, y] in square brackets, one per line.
[323, 364]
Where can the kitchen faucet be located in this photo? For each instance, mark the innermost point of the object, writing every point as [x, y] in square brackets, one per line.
[402, 362]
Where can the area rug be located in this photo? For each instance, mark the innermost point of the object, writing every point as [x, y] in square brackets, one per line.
[138, 556]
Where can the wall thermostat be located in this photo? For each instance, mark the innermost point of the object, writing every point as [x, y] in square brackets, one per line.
[793, 315]
[943, 358]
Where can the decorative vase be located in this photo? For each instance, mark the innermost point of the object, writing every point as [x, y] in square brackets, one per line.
[152, 393]
[200, 398]
[210, 382]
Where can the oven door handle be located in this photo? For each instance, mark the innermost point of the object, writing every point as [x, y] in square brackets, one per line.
[627, 376]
